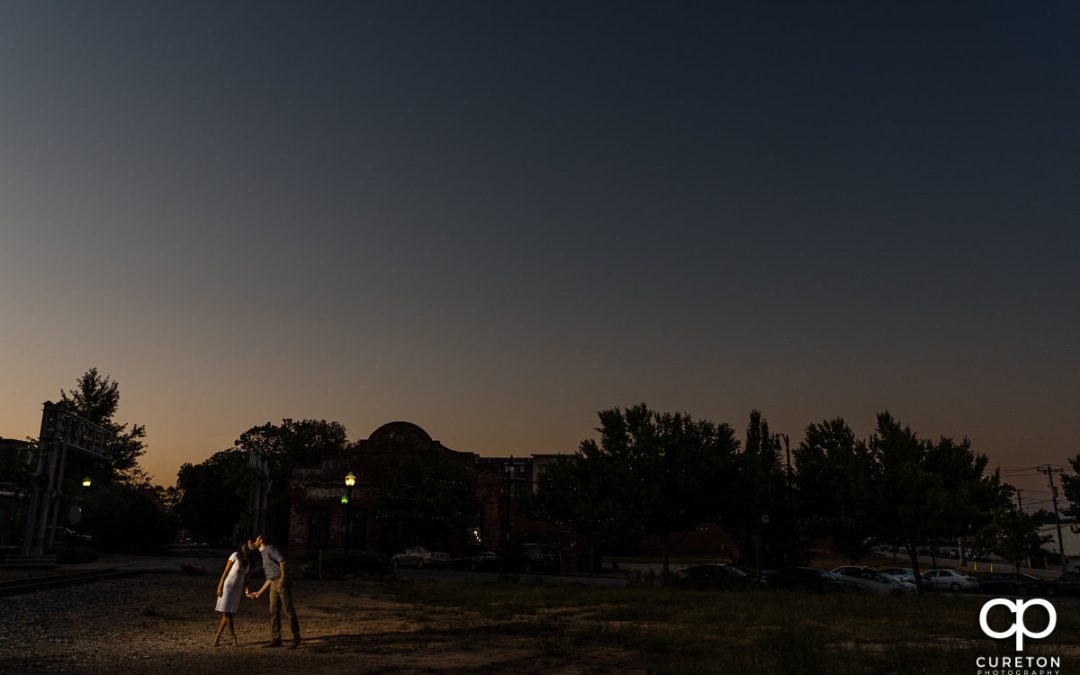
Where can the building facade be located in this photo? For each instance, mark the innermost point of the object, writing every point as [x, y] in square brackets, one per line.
[411, 490]
[15, 470]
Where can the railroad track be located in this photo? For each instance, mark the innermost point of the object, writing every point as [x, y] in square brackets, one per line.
[44, 583]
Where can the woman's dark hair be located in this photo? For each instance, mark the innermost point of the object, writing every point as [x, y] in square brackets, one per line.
[242, 555]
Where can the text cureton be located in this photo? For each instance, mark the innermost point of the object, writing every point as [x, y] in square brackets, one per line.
[1018, 662]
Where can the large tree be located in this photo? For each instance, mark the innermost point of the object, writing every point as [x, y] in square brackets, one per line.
[1012, 534]
[930, 491]
[213, 495]
[836, 487]
[287, 445]
[664, 472]
[756, 509]
[573, 491]
[971, 494]
[96, 398]
[910, 499]
[121, 509]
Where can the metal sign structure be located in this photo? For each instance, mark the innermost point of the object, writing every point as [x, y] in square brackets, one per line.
[61, 430]
[259, 494]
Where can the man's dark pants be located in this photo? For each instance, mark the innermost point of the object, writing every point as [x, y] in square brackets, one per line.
[281, 601]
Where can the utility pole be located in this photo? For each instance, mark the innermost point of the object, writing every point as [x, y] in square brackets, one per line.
[789, 552]
[1019, 499]
[1057, 520]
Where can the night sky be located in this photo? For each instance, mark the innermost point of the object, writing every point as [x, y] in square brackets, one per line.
[495, 219]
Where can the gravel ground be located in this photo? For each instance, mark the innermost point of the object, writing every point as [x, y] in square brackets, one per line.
[164, 623]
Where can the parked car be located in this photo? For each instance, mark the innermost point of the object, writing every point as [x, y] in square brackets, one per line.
[485, 561]
[1066, 584]
[535, 559]
[1014, 584]
[67, 535]
[902, 573]
[714, 575]
[807, 578]
[419, 557]
[949, 580]
[870, 580]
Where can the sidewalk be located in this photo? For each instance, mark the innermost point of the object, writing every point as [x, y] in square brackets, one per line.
[213, 561]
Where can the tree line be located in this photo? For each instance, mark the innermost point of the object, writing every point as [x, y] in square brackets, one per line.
[661, 473]
[646, 472]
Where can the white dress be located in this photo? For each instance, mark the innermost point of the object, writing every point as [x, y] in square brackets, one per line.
[232, 589]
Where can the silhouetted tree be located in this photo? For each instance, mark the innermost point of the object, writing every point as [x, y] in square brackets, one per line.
[285, 446]
[213, 494]
[911, 500]
[122, 509]
[662, 472]
[127, 517]
[1012, 534]
[684, 468]
[757, 506]
[96, 398]
[970, 496]
[836, 482]
[928, 492]
[1070, 483]
[573, 491]
[1043, 517]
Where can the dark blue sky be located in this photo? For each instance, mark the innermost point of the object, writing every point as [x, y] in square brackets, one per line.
[493, 219]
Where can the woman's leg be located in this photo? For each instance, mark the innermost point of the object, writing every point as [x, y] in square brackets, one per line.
[220, 628]
[232, 630]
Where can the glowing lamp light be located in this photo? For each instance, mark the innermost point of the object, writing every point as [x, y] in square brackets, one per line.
[86, 482]
[344, 499]
[350, 479]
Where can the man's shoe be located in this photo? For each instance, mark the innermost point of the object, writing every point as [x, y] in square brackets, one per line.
[273, 643]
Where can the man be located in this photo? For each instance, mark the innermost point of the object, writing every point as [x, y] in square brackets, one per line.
[277, 581]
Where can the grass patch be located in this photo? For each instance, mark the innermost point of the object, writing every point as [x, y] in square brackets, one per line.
[669, 630]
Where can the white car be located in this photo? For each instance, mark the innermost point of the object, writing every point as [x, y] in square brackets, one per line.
[949, 580]
[419, 557]
[870, 580]
[902, 573]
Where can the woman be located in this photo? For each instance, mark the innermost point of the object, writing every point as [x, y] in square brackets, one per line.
[229, 590]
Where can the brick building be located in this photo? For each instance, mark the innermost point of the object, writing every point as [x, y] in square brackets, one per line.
[487, 507]
[14, 495]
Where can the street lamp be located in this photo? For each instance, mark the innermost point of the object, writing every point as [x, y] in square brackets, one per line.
[350, 481]
[86, 482]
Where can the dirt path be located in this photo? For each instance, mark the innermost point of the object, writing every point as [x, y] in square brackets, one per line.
[165, 623]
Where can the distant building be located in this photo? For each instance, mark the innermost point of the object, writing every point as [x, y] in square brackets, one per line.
[488, 513]
[14, 494]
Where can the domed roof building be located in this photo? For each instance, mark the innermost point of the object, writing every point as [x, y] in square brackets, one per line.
[410, 489]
